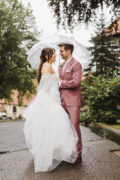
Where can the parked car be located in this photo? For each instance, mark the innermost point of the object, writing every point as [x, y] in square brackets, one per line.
[2, 114]
[4, 117]
[9, 118]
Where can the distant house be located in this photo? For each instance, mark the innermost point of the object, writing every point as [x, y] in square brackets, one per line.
[114, 31]
[13, 109]
[2, 109]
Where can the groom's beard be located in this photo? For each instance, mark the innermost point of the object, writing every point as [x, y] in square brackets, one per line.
[64, 58]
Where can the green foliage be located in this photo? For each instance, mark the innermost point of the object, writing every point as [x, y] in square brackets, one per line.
[104, 54]
[84, 118]
[17, 34]
[102, 97]
[78, 11]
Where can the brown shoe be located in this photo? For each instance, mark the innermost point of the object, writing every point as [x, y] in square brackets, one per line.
[79, 160]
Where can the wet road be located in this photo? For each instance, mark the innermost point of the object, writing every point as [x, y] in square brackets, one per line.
[99, 163]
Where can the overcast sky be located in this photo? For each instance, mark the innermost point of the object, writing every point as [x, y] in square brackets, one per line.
[46, 22]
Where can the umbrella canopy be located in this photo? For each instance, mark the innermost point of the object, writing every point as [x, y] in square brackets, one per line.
[80, 53]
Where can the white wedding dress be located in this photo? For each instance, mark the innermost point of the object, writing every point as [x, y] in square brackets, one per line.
[49, 134]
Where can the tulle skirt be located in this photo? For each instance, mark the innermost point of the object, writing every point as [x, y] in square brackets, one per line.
[49, 134]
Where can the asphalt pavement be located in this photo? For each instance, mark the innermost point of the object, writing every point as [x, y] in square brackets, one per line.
[100, 161]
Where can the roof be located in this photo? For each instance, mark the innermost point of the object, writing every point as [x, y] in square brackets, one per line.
[114, 28]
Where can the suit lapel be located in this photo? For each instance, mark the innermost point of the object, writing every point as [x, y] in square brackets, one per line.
[60, 70]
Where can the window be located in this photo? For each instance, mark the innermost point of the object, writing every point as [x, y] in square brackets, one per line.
[14, 109]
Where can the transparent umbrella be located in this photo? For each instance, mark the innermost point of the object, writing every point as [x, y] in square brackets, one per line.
[80, 52]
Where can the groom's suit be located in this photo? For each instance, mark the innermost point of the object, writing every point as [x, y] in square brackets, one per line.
[71, 98]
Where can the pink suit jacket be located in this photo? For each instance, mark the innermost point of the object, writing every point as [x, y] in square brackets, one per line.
[71, 83]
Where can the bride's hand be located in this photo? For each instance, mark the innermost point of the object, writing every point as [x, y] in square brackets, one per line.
[60, 80]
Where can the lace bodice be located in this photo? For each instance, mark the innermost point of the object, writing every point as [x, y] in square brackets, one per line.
[49, 85]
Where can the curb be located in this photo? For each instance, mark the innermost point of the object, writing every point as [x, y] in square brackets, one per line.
[11, 120]
[117, 131]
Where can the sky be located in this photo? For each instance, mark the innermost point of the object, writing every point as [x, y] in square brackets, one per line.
[47, 24]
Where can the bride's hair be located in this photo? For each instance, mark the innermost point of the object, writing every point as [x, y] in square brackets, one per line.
[45, 52]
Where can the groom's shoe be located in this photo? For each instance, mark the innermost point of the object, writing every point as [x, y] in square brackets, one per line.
[79, 160]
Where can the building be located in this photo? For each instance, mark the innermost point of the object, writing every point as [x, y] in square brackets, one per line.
[114, 31]
[12, 109]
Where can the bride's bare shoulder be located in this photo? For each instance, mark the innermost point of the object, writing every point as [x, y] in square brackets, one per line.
[47, 68]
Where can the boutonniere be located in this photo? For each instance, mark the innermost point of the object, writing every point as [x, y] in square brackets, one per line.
[61, 64]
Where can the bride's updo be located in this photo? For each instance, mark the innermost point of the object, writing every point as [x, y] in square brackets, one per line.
[45, 52]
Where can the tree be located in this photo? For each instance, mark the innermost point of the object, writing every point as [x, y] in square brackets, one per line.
[17, 34]
[105, 55]
[77, 11]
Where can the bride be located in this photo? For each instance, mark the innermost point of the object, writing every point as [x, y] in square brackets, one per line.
[49, 134]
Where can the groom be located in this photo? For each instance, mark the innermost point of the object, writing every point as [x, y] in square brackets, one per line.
[70, 74]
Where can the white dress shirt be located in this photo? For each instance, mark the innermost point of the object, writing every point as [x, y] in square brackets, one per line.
[64, 68]
[66, 64]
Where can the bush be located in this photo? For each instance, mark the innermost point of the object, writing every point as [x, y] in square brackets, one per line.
[102, 97]
[84, 118]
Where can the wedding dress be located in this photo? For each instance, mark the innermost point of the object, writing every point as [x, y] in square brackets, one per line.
[49, 134]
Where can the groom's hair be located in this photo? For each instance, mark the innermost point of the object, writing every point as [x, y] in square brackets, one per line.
[67, 46]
